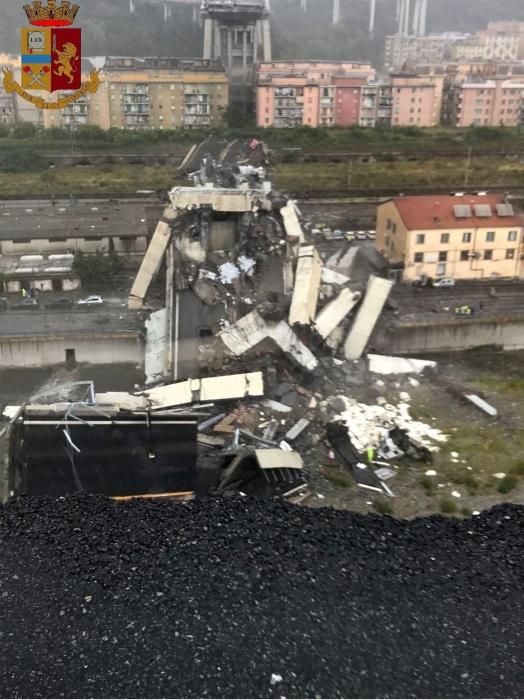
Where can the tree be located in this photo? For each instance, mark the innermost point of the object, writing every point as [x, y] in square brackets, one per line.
[98, 268]
[25, 130]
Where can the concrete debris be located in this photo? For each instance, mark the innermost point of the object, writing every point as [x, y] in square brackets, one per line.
[307, 285]
[385, 364]
[500, 475]
[299, 427]
[228, 273]
[223, 388]
[431, 472]
[335, 312]
[371, 425]
[384, 473]
[276, 406]
[333, 277]
[157, 347]
[252, 329]
[482, 405]
[456, 494]
[377, 292]
[292, 225]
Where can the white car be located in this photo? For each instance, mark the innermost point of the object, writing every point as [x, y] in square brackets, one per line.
[445, 282]
[91, 301]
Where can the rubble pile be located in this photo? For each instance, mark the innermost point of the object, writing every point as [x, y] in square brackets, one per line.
[250, 598]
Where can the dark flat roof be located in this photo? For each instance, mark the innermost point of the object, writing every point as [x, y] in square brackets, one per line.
[83, 219]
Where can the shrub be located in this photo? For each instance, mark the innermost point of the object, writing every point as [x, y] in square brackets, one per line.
[518, 469]
[382, 506]
[428, 484]
[466, 512]
[339, 479]
[448, 505]
[507, 484]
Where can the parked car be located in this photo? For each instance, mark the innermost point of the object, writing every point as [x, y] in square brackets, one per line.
[93, 300]
[361, 235]
[26, 305]
[60, 304]
[371, 235]
[350, 236]
[444, 282]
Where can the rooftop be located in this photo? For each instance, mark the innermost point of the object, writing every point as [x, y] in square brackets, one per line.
[79, 219]
[452, 212]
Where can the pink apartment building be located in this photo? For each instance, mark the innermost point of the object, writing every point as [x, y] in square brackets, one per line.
[487, 103]
[417, 100]
[312, 93]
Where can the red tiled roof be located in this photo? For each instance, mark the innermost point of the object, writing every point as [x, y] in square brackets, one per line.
[437, 212]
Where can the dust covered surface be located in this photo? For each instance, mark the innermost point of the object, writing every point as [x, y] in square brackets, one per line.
[248, 598]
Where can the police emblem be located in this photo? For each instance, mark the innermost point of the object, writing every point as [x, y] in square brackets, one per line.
[51, 55]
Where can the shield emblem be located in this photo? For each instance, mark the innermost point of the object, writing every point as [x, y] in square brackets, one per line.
[51, 58]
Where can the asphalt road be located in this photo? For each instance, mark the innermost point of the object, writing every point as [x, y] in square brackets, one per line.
[19, 323]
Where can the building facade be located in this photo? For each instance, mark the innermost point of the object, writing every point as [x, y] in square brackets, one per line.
[485, 103]
[318, 93]
[156, 93]
[464, 237]
[417, 100]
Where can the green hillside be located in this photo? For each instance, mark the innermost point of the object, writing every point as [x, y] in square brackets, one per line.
[110, 29]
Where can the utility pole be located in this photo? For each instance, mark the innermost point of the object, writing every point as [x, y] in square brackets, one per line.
[336, 11]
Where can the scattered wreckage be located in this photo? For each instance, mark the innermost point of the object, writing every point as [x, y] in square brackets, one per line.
[259, 327]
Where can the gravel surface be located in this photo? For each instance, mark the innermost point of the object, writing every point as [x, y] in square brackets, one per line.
[247, 598]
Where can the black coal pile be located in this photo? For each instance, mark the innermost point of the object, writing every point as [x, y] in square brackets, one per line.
[248, 598]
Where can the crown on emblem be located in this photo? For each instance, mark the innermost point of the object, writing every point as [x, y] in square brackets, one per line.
[51, 15]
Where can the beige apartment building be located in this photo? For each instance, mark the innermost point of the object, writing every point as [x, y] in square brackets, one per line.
[464, 237]
[151, 93]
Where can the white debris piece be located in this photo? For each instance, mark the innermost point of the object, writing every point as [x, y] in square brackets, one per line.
[377, 292]
[456, 494]
[404, 396]
[500, 475]
[276, 406]
[413, 381]
[455, 455]
[247, 265]
[335, 312]
[333, 277]
[483, 405]
[276, 678]
[384, 473]
[431, 472]
[228, 273]
[368, 426]
[386, 364]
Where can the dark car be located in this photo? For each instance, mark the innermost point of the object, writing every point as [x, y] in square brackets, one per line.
[60, 304]
[26, 305]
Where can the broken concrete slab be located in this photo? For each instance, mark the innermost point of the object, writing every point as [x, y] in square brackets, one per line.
[482, 405]
[233, 386]
[307, 285]
[335, 312]
[330, 276]
[377, 292]
[299, 427]
[157, 347]
[252, 329]
[292, 225]
[387, 364]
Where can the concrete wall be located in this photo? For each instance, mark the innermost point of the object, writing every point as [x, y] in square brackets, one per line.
[43, 245]
[48, 351]
[453, 336]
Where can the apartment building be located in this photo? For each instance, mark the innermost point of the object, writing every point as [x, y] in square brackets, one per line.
[465, 237]
[496, 102]
[310, 93]
[498, 42]
[401, 51]
[12, 107]
[376, 104]
[417, 100]
[143, 93]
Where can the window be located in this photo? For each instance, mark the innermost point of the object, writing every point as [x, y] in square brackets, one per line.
[392, 246]
[444, 238]
[441, 269]
[466, 238]
[388, 225]
[443, 256]
[419, 257]
[386, 241]
[510, 254]
[488, 255]
[393, 227]
[490, 236]
[512, 235]
[421, 239]
[464, 255]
